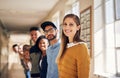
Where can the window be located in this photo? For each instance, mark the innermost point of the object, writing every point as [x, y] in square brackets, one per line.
[109, 11]
[106, 38]
[73, 9]
[56, 21]
[117, 8]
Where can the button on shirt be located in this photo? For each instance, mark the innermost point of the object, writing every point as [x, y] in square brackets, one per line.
[52, 52]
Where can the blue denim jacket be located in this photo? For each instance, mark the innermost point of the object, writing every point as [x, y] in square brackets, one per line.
[52, 52]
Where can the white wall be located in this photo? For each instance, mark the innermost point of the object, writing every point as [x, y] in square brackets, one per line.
[3, 52]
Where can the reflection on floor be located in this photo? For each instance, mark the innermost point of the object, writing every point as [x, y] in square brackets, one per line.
[16, 71]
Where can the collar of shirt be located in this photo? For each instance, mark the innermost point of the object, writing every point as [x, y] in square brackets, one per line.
[55, 45]
[73, 44]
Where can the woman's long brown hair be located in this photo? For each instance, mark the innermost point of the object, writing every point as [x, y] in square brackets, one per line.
[76, 38]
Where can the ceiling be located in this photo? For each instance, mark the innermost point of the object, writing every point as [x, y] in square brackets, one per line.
[20, 15]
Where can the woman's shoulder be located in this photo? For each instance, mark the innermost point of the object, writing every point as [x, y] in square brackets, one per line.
[82, 44]
[83, 48]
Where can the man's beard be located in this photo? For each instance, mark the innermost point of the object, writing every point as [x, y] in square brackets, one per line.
[50, 39]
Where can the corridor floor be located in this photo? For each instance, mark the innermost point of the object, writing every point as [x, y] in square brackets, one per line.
[16, 71]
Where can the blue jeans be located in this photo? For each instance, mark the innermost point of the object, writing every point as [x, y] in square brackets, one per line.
[27, 74]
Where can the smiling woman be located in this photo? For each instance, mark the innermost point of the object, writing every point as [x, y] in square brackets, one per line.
[73, 59]
[42, 44]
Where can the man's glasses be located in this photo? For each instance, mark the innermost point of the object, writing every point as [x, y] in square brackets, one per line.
[49, 30]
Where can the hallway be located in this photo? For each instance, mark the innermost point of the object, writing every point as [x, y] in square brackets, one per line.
[100, 29]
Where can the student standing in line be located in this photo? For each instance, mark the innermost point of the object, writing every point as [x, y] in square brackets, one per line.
[51, 31]
[16, 54]
[35, 54]
[18, 49]
[15, 48]
[42, 44]
[73, 59]
[26, 60]
[34, 34]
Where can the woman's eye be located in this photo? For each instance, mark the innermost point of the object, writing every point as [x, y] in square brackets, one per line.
[70, 24]
[64, 24]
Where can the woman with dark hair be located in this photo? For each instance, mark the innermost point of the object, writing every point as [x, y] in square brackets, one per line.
[42, 44]
[73, 59]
